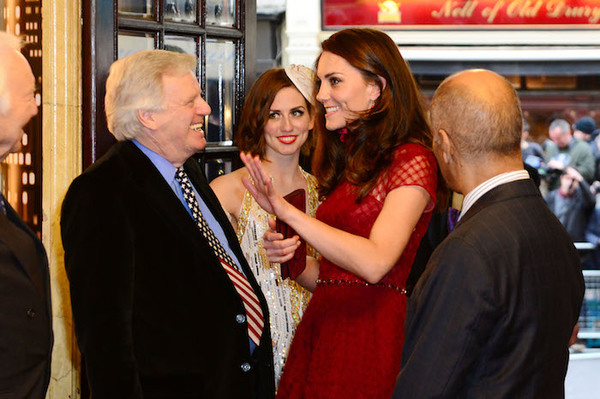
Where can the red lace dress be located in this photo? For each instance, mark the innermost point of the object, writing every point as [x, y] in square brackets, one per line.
[349, 342]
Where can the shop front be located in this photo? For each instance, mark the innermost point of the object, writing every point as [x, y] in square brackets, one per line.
[548, 49]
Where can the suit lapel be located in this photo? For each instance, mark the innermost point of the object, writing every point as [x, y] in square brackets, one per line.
[12, 231]
[152, 187]
[198, 179]
[503, 192]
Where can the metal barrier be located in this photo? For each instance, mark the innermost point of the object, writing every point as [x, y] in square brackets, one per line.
[589, 318]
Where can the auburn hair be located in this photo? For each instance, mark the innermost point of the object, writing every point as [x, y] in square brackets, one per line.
[397, 117]
[249, 136]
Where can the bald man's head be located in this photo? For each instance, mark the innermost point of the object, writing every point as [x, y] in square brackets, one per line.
[480, 112]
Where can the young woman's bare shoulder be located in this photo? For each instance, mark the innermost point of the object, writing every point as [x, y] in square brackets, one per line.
[230, 190]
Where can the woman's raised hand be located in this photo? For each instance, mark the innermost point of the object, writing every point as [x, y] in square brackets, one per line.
[262, 190]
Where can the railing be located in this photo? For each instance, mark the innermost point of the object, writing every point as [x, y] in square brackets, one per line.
[589, 318]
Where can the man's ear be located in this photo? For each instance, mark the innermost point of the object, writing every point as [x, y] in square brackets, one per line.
[147, 119]
[445, 145]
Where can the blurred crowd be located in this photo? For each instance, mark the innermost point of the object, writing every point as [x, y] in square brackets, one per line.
[567, 165]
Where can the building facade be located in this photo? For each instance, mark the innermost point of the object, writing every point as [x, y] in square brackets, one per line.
[548, 49]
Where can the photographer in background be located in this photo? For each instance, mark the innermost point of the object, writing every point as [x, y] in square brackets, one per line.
[572, 203]
[532, 152]
[565, 150]
[592, 233]
[584, 128]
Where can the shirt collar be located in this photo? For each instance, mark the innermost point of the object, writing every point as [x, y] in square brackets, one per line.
[166, 168]
[488, 185]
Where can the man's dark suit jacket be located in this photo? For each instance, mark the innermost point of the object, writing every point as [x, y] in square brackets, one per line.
[156, 316]
[25, 311]
[492, 315]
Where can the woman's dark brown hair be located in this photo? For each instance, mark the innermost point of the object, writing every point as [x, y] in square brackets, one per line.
[249, 136]
[397, 117]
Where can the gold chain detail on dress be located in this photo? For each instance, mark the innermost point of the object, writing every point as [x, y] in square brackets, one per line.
[360, 284]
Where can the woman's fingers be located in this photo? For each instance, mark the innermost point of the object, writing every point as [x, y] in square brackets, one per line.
[271, 236]
[256, 171]
[280, 259]
[249, 163]
[277, 249]
[249, 186]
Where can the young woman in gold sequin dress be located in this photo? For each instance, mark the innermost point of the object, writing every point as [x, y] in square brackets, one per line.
[276, 122]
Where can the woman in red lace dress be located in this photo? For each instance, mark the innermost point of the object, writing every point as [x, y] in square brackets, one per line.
[379, 178]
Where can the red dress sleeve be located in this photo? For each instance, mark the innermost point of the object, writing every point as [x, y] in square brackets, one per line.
[412, 165]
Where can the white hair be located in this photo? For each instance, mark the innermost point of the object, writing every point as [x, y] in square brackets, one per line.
[135, 84]
[8, 43]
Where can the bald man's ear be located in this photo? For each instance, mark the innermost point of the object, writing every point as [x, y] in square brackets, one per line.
[445, 145]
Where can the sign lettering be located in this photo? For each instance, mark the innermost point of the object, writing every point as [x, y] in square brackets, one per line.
[398, 14]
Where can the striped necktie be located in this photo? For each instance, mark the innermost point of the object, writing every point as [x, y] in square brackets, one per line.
[254, 315]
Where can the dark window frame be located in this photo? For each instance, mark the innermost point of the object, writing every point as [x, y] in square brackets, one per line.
[101, 24]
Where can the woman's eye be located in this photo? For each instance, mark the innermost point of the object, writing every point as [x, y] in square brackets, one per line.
[273, 115]
[334, 81]
[297, 112]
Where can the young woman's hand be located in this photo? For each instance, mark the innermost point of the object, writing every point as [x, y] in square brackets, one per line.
[279, 250]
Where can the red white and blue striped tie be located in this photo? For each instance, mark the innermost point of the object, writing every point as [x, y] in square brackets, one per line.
[254, 314]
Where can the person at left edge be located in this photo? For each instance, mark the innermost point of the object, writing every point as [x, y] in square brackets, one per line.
[156, 314]
[25, 309]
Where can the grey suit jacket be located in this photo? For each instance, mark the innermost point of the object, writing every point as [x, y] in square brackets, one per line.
[25, 311]
[493, 313]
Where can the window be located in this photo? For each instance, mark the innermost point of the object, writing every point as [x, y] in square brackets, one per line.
[216, 31]
[21, 172]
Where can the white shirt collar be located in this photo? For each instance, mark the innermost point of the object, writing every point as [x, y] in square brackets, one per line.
[488, 185]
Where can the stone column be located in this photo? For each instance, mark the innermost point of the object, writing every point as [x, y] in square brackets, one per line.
[62, 155]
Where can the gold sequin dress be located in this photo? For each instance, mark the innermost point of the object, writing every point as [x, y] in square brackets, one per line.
[286, 299]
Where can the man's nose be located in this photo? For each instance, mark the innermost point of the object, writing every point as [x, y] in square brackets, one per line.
[202, 107]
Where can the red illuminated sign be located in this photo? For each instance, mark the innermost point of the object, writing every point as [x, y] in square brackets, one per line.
[398, 14]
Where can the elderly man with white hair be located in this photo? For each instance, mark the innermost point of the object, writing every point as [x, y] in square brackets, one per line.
[25, 310]
[164, 302]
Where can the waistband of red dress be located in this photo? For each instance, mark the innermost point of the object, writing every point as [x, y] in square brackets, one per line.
[350, 283]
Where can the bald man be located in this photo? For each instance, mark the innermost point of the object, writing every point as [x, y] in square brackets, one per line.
[25, 312]
[493, 313]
